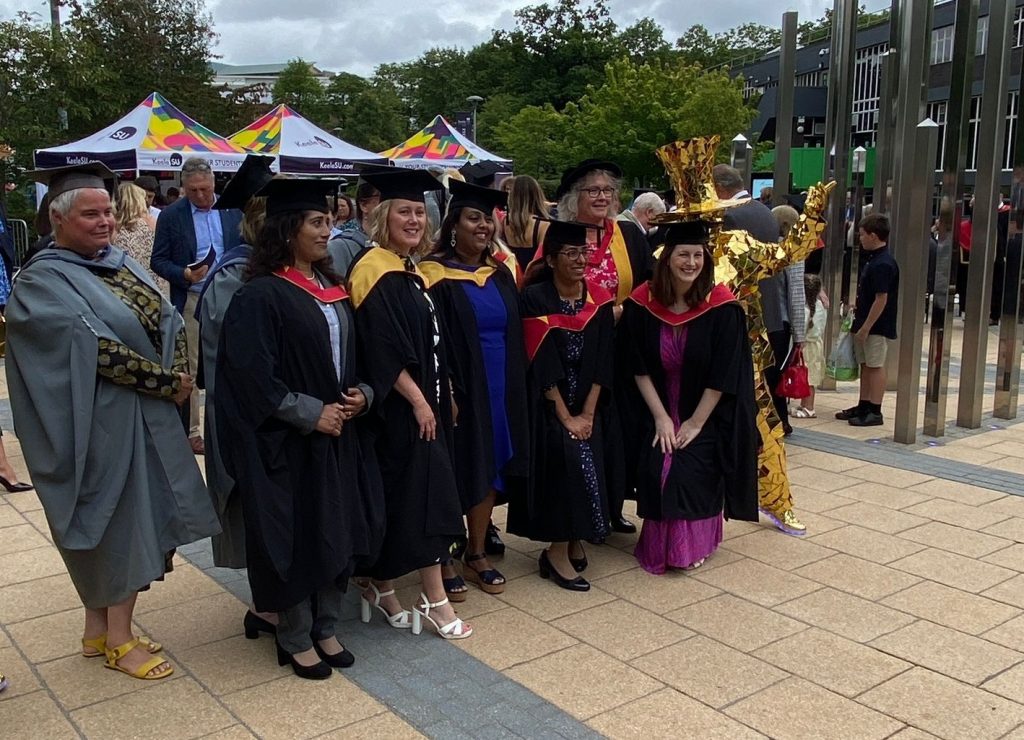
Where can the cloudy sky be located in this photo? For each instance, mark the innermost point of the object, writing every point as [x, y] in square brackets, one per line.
[355, 35]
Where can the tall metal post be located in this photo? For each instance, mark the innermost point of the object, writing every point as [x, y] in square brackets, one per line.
[991, 133]
[954, 161]
[784, 109]
[889, 83]
[740, 157]
[837, 138]
[914, 147]
[860, 164]
[1010, 328]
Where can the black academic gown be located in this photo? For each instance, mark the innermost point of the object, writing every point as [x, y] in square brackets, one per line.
[555, 507]
[313, 503]
[475, 468]
[396, 332]
[719, 468]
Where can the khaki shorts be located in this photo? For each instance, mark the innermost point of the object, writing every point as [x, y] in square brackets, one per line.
[871, 352]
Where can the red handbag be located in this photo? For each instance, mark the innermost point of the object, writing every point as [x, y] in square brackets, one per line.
[793, 383]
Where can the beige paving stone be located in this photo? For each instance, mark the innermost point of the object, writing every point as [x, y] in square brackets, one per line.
[619, 628]
[877, 517]
[521, 544]
[1009, 592]
[757, 582]
[818, 523]
[736, 622]
[951, 653]
[829, 462]
[669, 714]
[898, 477]
[533, 638]
[384, 726]
[796, 709]
[659, 594]
[292, 707]
[867, 544]
[955, 539]
[951, 607]
[953, 570]
[17, 567]
[207, 619]
[806, 499]
[37, 598]
[4, 641]
[34, 715]
[735, 529]
[49, 637]
[709, 671]
[233, 664]
[235, 732]
[1011, 557]
[513, 564]
[1008, 447]
[1009, 464]
[722, 556]
[956, 491]
[76, 681]
[1011, 529]
[859, 577]
[944, 707]
[831, 661]
[957, 514]
[769, 546]
[879, 494]
[821, 480]
[20, 538]
[186, 583]
[963, 454]
[1010, 633]
[476, 603]
[19, 673]
[9, 516]
[606, 561]
[546, 601]
[1009, 684]
[38, 520]
[1009, 505]
[25, 501]
[583, 681]
[845, 614]
[912, 733]
[164, 709]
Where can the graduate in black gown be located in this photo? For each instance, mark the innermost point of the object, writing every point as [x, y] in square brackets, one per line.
[291, 410]
[692, 364]
[401, 339]
[478, 301]
[567, 327]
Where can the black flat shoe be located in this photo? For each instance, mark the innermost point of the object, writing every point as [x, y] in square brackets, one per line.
[317, 672]
[547, 570]
[622, 525]
[847, 414]
[15, 487]
[254, 624]
[492, 543]
[344, 659]
[579, 564]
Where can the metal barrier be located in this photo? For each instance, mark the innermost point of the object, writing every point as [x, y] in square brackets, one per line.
[20, 231]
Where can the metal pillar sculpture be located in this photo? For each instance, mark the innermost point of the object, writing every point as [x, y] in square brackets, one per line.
[837, 138]
[742, 153]
[885, 131]
[784, 109]
[991, 134]
[947, 255]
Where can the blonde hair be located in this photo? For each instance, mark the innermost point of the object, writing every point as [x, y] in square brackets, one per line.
[378, 230]
[253, 216]
[131, 205]
[525, 202]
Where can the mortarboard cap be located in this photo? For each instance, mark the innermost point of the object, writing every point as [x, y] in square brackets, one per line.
[401, 184]
[687, 232]
[244, 184]
[568, 233]
[465, 195]
[297, 195]
[574, 174]
[59, 180]
[480, 173]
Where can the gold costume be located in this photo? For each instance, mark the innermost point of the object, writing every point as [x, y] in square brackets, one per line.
[741, 262]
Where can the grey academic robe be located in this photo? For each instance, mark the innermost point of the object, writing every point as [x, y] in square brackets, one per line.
[113, 470]
[229, 545]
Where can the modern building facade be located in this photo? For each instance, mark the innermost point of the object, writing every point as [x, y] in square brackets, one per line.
[259, 76]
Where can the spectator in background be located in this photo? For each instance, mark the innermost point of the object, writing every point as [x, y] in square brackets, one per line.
[645, 207]
[171, 196]
[135, 228]
[152, 188]
[767, 193]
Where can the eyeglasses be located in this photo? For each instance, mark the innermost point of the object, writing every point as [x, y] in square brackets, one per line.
[574, 253]
[595, 192]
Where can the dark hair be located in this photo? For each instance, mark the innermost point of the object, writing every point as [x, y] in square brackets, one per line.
[661, 281]
[272, 250]
[351, 205]
[877, 224]
[539, 271]
[42, 220]
[174, 192]
[365, 190]
[443, 246]
[812, 287]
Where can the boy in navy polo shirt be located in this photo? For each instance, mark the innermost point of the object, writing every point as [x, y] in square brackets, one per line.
[874, 319]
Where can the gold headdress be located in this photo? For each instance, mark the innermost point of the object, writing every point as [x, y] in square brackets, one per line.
[690, 166]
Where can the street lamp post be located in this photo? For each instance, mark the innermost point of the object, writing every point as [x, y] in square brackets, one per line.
[474, 100]
[859, 166]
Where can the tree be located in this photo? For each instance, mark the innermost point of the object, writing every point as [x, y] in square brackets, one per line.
[369, 113]
[538, 138]
[298, 88]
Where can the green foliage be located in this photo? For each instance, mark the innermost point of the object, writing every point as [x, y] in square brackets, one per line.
[369, 113]
[298, 88]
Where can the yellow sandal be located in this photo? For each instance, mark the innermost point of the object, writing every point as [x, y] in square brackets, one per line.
[98, 646]
[120, 651]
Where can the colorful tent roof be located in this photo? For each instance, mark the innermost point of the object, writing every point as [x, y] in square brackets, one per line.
[300, 145]
[153, 136]
[439, 144]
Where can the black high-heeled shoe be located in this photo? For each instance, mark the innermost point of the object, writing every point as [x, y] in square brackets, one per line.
[254, 624]
[547, 570]
[344, 659]
[579, 564]
[317, 672]
[15, 487]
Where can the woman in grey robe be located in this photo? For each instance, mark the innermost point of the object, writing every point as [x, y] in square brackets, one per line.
[95, 368]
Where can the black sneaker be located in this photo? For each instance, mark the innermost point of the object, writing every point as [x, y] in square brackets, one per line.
[847, 414]
[869, 419]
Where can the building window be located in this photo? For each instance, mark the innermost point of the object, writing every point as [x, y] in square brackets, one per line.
[937, 112]
[979, 49]
[1012, 117]
[1018, 29]
[867, 72]
[972, 134]
[942, 45]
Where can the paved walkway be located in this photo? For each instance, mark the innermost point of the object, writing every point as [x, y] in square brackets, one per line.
[901, 615]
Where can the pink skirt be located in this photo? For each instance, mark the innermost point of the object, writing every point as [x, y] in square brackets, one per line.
[676, 543]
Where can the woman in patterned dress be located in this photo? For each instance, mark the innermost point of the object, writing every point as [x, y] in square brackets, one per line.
[136, 228]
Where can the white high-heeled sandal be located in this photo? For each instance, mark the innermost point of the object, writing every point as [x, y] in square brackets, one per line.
[454, 630]
[400, 621]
